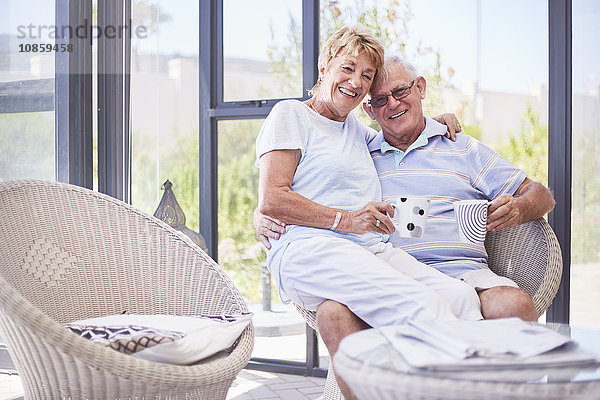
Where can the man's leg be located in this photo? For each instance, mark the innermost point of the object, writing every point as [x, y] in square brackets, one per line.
[460, 296]
[506, 302]
[336, 321]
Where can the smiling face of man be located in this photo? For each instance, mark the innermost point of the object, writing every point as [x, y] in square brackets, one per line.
[401, 120]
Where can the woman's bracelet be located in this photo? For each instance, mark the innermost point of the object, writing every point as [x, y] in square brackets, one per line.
[336, 222]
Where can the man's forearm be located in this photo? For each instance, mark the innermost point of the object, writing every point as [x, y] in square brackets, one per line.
[534, 200]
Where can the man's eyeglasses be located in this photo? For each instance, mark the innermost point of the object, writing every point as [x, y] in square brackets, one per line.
[398, 94]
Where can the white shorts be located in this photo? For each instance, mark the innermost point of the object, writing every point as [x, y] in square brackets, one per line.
[380, 284]
[481, 279]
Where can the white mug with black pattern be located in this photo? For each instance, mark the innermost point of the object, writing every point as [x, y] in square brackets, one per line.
[410, 216]
[471, 218]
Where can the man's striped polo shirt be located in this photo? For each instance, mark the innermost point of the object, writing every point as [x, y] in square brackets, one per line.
[443, 171]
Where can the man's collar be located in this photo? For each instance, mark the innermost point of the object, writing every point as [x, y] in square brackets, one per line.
[385, 146]
[375, 144]
[432, 128]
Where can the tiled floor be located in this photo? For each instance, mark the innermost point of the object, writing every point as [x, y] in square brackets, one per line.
[10, 386]
[249, 385]
[254, 385]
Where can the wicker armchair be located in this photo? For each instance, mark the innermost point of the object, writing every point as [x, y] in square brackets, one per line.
[529, 254]
[69, 253]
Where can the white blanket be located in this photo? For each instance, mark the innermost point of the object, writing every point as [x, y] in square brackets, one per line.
[443, 345]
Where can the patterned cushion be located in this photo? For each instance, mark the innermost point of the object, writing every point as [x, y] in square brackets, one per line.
[165, 338]
[127, 339]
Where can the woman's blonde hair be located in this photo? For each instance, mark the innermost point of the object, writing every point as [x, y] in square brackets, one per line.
[352, 40]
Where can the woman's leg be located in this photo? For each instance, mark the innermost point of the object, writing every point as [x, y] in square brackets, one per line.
[462, 298]
[320, 268]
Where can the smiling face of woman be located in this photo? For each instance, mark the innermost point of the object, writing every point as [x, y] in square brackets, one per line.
[345, 82]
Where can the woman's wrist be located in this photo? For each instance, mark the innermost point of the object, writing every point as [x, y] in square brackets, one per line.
[336, 221]
[344, 224]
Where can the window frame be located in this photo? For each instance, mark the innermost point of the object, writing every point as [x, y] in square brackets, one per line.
[559, 144]
[214, 109]
[114, 128]
[73, 99]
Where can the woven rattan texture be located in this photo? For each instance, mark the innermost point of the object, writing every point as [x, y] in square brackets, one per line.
[387, 384]
[529, 254]
[69, 253]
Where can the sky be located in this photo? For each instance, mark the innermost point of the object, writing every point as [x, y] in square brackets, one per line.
[514, 45]
[514, 37]
[514, 34]
[447, 26]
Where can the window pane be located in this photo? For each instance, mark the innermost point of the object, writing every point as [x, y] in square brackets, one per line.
[585, 218]
[26, 90]
[280, 333]
[262, 49]
[164, 105]
[239, 249]
[495, 78]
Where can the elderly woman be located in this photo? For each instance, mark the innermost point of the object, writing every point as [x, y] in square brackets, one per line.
[316, 175]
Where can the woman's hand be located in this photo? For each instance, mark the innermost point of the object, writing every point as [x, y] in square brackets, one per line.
[371, 218]
[452, 125]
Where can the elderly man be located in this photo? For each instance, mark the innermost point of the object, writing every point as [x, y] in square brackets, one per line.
[413, 158]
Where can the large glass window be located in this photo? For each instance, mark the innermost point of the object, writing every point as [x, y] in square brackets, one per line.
[239, 250]
[27, 90]
[164, 104]
[262, 51]
[585, 216]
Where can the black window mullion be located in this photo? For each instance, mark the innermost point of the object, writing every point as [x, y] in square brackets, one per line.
[211, 87]
[559, 142]
[218, 53]
[237, 112]
[127, 132]
[113, 133]
[73, 98]
[310, 44]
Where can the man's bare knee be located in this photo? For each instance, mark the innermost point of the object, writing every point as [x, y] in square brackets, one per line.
[507, 302]
[335, 321]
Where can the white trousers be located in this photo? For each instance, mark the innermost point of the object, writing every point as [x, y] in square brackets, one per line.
[380, 284]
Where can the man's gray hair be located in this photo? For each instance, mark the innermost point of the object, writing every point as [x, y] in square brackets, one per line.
[393, 61]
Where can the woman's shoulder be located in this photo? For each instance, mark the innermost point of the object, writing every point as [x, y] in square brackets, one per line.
[368, 132]
[289, 106]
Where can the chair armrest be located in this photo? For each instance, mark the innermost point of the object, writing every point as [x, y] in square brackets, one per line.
[530, 255]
